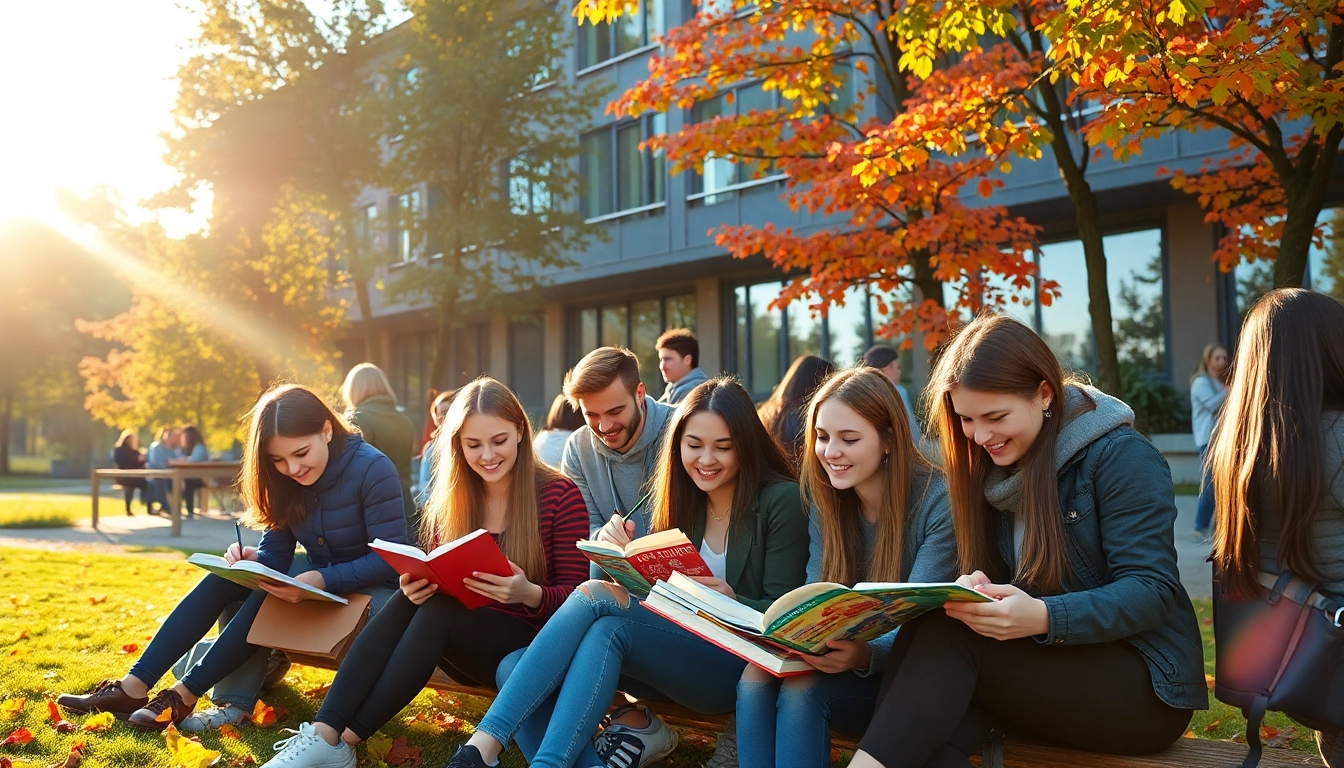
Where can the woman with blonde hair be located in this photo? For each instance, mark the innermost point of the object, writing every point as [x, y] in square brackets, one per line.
[372, 406]
[1063, 514]
[1208, 390]
[485, 477]
[1277, 460]
[879, 512]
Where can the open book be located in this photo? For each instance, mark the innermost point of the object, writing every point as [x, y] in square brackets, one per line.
[800, 621]
[251, 574]
[449, 564]
[641, 562]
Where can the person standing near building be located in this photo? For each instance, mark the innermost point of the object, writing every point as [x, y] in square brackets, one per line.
[1208, 390]
[888, 361]
[679, 362]
[371, 406]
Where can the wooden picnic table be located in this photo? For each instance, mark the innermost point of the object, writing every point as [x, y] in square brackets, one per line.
[179, 472]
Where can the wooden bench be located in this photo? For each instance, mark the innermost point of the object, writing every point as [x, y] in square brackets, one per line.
[1185, 753]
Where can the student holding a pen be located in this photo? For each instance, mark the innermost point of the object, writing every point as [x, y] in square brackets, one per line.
[308, 478]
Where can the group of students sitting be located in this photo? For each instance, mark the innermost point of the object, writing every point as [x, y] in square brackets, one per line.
[1046, 499]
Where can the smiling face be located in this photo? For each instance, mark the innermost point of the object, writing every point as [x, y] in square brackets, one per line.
[489, 445]
[707, 452]
[673, 365]
[1004, 424]
[613, 415]
[848, 446]
[301, 459]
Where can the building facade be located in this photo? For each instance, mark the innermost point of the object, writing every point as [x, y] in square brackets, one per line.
[659, 267]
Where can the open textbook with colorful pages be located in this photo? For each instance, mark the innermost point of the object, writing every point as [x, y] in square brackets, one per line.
[251, 574]
[805, 619]
[641, 562]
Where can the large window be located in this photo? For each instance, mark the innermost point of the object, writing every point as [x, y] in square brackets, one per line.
[528, 188]
[718, 174]
[766, 341]
[632, 31]
[617, 174]
[635, 325]
[366, 228]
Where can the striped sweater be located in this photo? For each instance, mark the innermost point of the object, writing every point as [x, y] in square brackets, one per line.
[563, 519]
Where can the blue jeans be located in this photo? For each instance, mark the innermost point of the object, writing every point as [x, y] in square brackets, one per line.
[788, 722]
[1204, 508]
[555, 696]
[235, 674]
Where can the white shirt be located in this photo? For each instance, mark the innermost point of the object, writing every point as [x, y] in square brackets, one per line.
[717, 561]
[1206, 400]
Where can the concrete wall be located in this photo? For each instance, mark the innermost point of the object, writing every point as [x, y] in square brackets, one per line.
[1192, 306]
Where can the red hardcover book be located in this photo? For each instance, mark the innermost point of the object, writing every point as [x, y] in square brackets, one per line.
[642, 562]
[449, 564]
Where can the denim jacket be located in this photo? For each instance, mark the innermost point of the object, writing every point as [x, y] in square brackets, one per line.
[1119, 510]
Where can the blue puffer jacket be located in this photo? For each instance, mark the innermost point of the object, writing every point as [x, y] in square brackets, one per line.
[356, 500]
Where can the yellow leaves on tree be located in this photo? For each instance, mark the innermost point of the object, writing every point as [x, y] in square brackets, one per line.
[188, 753]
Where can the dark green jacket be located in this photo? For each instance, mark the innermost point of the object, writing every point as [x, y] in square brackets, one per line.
[767, 547]
[391, 432]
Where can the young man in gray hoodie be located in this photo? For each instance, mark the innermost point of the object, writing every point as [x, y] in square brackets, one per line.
[679, 363]
[613, 459]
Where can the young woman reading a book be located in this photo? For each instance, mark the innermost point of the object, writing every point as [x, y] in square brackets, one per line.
[486, 477]
[723, 481]
[879, 512]
[1063, 513]
[308, 479]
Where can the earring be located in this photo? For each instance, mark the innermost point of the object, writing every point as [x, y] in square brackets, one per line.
[1048, 414]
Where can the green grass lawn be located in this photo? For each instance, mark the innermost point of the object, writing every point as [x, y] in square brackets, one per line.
[56, 510]
[67, 621]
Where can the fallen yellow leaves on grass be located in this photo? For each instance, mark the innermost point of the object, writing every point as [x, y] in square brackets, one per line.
[188, 753]
[100, 722]
[11, 708]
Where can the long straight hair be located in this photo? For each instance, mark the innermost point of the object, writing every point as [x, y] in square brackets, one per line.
[997, 354]
[1269, 447]
[457, 494]
[784, 412]
[871, 395]
[274, 500]
[676, 500]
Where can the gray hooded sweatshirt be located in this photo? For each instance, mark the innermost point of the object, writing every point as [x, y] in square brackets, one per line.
[611, 481]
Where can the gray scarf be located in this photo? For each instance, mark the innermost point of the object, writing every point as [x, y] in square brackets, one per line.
[1003, 485]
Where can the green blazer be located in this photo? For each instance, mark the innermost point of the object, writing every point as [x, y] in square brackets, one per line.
[767, 546]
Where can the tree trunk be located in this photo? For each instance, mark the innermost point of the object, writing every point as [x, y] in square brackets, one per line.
[1305, 194]
[930, 287]
[1089, 232]
[445, 349]
[6, 419]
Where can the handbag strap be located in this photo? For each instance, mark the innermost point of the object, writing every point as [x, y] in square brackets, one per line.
[1301, 592]
[1253, 719]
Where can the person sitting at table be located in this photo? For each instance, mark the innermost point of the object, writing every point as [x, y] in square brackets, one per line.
[307, 478]
[193, 449]
[127, 456]
[162, 451]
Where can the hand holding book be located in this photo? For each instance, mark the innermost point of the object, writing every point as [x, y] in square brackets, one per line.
[1012, 615]
[842, 656]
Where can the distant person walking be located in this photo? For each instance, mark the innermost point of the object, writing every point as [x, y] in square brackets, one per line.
[1208, 390]
[127, 456]
[561, 421]
[371, 406]
[193, 449]
[679, 363]
[888, 361]
[783, 414]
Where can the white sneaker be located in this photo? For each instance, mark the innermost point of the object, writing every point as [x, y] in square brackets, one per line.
[305, 749]
[620, 746]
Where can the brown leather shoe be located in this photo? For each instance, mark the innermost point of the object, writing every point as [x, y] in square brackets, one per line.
[107, 696]
[166, 707]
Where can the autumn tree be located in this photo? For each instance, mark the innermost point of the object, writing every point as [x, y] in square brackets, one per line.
[1269, 74]
[778, 88]
[274, 99]
[479, 130]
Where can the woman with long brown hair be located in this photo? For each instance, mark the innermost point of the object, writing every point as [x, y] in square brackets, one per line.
[1277, 460]
[486, 476]
[723, 482]
[308, 479]
[879, 512]
[783, 412]
[1063, 514]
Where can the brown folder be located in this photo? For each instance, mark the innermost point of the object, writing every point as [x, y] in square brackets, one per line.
[309, 628]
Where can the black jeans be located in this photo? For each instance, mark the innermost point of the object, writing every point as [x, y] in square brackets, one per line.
[189, 622]
[128, 486]
[946, 686]
[395, 655]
